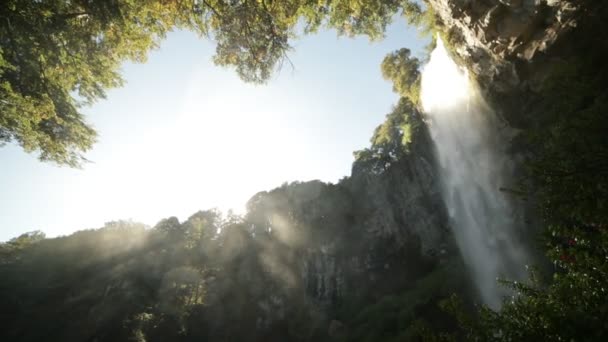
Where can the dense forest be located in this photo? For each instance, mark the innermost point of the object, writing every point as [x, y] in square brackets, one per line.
[371, 258]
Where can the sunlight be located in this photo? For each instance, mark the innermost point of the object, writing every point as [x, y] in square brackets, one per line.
[218, 150]
[184, 136]
[226, 141]
[450, 84]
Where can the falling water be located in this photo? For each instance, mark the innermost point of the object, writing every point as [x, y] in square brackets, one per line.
[473, 169]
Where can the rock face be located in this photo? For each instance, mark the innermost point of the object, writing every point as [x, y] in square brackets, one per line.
[372, 234]
[496, 38]
[403, 200]
[394, 198]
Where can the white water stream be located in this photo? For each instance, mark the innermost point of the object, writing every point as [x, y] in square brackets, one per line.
[473, 169]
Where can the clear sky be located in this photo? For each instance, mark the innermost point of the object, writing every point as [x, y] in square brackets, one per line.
[184, 135]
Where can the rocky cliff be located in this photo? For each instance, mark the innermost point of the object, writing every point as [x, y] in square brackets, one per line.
[496, 38]
[510, 46]
[371, 233]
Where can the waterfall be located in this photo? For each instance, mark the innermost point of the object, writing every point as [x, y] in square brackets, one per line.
[473, 168]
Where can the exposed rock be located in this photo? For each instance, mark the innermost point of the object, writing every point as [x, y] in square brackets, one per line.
[380, 227]
[492, 37]
[404, 202]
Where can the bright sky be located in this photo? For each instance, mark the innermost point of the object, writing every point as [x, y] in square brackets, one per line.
[184, 135]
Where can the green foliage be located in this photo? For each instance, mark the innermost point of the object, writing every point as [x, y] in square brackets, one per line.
[57, 56]
[569, 306]
[403, 70]
[396, 130]
[105, 278]
[406, 315]
[252, 36]
[12, 248]
[301, 265]
[569, 178]
[391, 140]
[570, 169]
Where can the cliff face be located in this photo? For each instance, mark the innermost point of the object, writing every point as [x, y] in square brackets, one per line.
[496, 38]
[511, 47]
[403, 200]
[371, 233]
[542, 66]
[349, 246]
[309, 261]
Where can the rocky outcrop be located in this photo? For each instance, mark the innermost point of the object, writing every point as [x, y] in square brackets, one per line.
[403, 200]
[374, 232]
[496, 38]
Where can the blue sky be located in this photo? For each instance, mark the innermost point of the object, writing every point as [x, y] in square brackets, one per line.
[184, 135]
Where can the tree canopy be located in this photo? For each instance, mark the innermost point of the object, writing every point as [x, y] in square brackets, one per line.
[58, 56]
[404, 71]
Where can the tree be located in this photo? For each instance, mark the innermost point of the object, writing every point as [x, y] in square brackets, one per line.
[404, 71]
[570, 305]
[9, 250]
[391, 139]
[58, 56]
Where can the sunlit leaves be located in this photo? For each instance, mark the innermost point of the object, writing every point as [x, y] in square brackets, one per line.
[56, 56]
[404, 71]
[391, 140]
